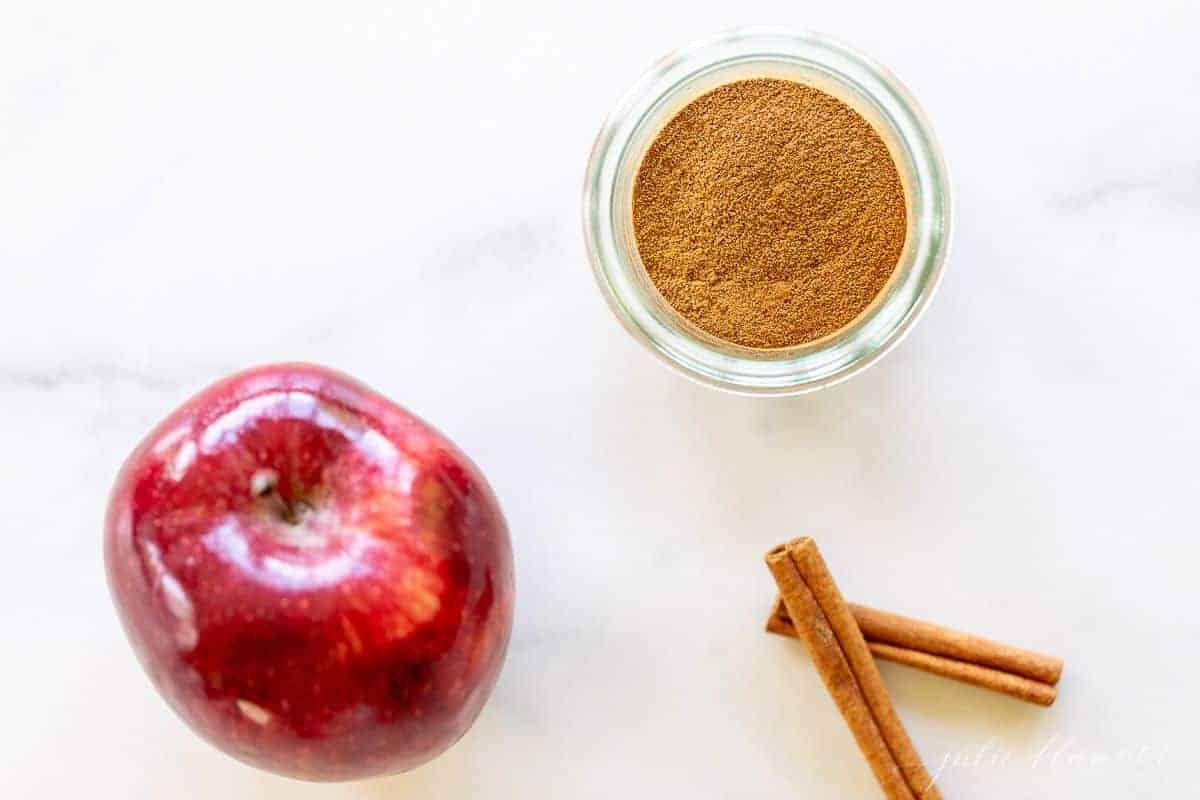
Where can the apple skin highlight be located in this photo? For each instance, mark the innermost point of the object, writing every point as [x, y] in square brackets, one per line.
[319, 583]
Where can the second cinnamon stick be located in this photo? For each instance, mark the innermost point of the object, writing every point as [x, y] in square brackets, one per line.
[925, 646]
[915, 634]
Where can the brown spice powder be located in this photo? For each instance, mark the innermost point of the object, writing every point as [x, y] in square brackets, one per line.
[768, 213]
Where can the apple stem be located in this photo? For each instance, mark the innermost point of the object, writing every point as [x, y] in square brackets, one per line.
[265, 485]
[285, 510]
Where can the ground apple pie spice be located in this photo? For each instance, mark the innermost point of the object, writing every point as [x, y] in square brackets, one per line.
[768, 213]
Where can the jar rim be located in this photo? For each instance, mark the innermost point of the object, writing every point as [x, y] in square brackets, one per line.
[813, 365]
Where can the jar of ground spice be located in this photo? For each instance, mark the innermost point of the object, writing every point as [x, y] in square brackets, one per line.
[767, 211]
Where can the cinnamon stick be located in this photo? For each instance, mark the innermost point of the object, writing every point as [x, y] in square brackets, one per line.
[882, 626]
[835, 672]
[1042, 694]
[824, 621]
[928, 648]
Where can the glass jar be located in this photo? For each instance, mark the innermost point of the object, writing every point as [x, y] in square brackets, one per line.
[671, 84]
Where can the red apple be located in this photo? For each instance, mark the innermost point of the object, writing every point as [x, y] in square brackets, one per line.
[318, 582]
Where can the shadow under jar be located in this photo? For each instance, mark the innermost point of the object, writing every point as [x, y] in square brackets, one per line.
[670, 86]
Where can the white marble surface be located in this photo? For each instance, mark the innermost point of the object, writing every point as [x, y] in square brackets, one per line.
[394, 191]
